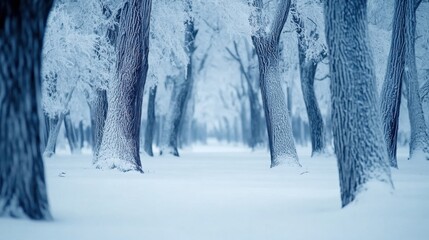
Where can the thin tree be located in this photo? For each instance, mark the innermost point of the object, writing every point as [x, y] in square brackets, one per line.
[98, 106]
[280, 138]
[120, 147]
[256, 136]
[22, 178]
[390, 96]
[358, 138]
[307, 69]
[150, 125]
[181, 90]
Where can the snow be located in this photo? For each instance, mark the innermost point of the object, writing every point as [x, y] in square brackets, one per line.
[223, 192]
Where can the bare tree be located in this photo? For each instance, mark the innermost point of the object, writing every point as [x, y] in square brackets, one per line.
[256, 136]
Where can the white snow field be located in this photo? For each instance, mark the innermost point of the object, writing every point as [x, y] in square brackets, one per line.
[223, 192]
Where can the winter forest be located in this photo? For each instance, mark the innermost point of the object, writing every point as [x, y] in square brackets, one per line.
[214, 119]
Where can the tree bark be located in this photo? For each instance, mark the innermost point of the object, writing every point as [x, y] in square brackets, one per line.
[358, 137]
[120, 147]
[22, 178]
[315, 119]
[150, 125]
[280, 138]
[419, 139]
[390, 99]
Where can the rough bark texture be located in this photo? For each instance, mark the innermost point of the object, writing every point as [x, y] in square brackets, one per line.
[390, 96]
[120, 147]
[180, 95]
[419, 142]
[358, 137]
[150, 125]
[22, 180]
[98, 109]
[280, 138]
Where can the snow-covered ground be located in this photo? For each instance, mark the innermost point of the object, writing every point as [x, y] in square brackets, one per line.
[223, 192]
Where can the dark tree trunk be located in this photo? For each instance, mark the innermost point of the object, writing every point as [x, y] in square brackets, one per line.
[71, 134]
[180, 95]
[80, 135]
[358, 137]
[256, 123]
[390, 99]
[98, 109]
[308, 67]
[120, 147]
[315, 120]
[54, 129]
[45, 131]
[246, 137]
[185, 130]
[150, 125]
[22, 178]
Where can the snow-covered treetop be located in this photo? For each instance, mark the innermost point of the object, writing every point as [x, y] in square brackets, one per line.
[76, 54]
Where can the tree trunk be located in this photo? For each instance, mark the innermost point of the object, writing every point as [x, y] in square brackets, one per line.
[255, 118]
[419, 139]
[54, 129]
[308, 67]
[22, 178]
[44, 122]
[280, 139]
[120, 147]
[390, 101]
[150, 125]
[358, 138]
[315, 120]
[98, 109]
[246, 137]
[180, 95]
[71, 135]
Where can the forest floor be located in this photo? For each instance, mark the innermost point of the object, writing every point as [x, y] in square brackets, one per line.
[223, 192]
